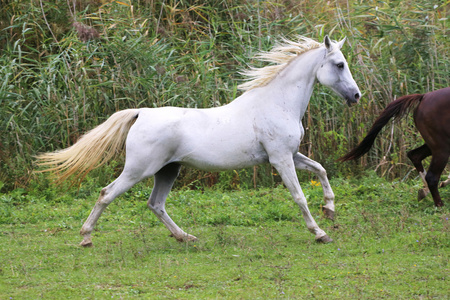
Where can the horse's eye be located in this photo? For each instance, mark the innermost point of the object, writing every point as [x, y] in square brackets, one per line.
[340, 65]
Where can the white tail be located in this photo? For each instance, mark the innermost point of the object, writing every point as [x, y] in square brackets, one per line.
[93, 149]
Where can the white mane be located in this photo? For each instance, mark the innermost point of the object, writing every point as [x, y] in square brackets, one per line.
[281, 55]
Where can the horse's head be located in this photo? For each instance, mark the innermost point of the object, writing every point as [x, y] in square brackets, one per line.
[334, 73]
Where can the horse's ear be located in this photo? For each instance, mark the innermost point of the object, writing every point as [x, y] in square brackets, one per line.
[327, 43]
[341, 43]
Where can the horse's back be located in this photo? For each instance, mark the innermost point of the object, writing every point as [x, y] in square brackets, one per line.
[437, 100]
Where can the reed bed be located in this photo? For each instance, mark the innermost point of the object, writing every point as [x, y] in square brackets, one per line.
[65, 66]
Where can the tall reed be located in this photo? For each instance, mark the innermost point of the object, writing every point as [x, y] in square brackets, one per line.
[64, 74]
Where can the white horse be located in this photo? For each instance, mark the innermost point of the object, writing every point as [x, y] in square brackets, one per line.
[262, 125]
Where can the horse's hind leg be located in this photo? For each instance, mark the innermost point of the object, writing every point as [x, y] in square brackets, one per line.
[304, 163]
[107, 195]
[416, 156]
[437, 165]
[164, 180]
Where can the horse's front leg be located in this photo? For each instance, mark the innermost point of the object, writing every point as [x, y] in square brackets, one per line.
[286, 169]
[304, 163]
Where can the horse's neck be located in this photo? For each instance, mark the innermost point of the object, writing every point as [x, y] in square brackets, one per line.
[293, 86]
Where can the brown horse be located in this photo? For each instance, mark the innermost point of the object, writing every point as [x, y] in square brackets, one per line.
[432, 119]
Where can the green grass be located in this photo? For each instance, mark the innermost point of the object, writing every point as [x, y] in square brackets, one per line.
[253, 244]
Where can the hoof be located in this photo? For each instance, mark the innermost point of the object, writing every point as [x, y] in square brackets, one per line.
[86, 243]
[444, 183]
[421, 194]
[185, 238]
[190, 238]
[324, 239]
[328, 213]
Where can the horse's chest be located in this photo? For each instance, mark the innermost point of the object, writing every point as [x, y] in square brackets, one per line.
[286, 135]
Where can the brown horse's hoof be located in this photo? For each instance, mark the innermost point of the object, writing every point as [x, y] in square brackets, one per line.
[421, 194]
[324, 239]
[328, 213]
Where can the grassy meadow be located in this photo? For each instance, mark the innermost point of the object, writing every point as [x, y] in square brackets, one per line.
[253, 244]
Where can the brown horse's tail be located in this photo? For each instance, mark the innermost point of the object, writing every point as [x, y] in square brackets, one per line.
[395, 109]
[93, 149]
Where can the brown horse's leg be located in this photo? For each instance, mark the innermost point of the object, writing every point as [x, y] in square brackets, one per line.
[416, 156]
[437, 165]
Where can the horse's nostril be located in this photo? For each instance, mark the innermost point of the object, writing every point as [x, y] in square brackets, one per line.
[357, 96]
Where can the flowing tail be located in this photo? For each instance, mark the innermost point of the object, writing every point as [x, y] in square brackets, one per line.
[395, 109]
[93, 149]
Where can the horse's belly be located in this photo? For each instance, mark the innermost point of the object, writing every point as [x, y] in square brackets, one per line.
[217, 159]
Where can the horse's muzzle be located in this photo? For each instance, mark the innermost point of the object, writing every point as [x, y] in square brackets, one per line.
[353, 100]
